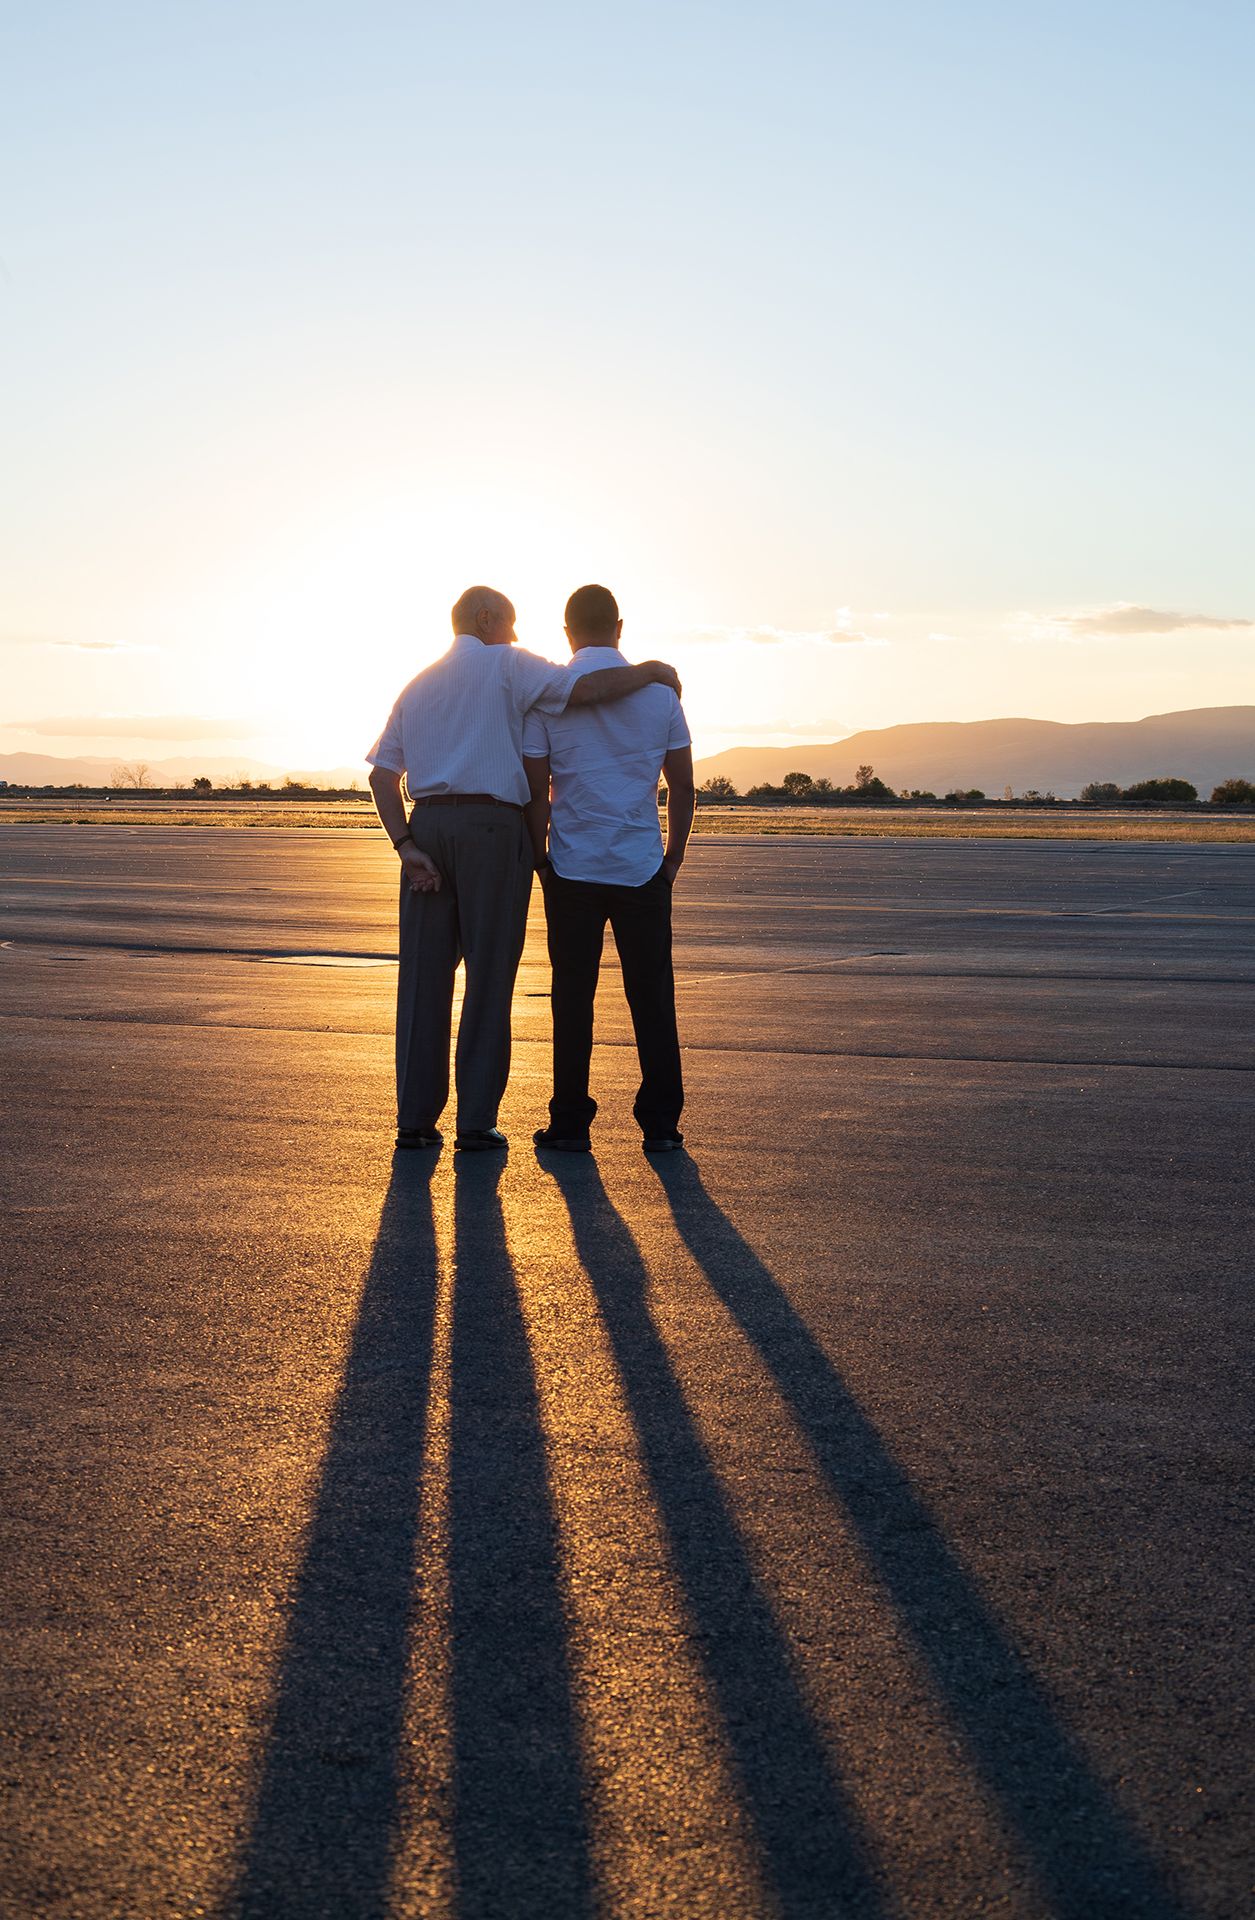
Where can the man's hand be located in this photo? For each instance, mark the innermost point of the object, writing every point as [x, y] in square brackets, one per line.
[671, 866]
[421, 872]
[664, 675]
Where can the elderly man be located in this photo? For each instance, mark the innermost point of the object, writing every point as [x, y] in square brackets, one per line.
[455, 734]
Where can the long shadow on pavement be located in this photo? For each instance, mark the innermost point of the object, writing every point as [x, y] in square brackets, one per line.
[1085, 1853]
[323, 1832]
[814, 1851]
[520, 1834]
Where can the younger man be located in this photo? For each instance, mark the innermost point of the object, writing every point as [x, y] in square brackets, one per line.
[593, 816]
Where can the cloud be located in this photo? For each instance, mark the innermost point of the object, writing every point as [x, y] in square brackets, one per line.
[841, 633]
[1124, 619]
[143, 726]
[792, 636]
[78, 646]
[102, 646]
[787, 730]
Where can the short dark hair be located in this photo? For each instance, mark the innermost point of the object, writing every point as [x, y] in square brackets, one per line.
[592, 610]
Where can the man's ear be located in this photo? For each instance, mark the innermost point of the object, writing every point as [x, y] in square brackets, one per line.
[571, 640]
[618, 630]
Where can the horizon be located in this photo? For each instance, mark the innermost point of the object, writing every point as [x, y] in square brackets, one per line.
[865, 424]
[227, 770]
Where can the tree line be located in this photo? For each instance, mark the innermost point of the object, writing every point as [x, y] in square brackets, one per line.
[798, 787]
[137, 777]
[1164, 790]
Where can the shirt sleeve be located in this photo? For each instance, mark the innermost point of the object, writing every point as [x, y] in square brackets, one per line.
[538, 683]
[535, 735]
[678, 734]
[387, 751]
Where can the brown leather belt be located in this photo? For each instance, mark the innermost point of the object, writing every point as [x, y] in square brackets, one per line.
[465, 800]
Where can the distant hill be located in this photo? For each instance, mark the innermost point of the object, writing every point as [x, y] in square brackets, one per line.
[51, 770]
[1204, 745]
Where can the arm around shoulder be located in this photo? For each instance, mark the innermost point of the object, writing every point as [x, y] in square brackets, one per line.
[615, 683]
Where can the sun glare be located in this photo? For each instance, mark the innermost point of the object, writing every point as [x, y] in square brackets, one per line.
[324, 636]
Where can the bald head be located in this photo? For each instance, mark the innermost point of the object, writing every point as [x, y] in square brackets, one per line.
[487, 614]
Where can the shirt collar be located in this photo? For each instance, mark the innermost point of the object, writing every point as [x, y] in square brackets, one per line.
[588, 659]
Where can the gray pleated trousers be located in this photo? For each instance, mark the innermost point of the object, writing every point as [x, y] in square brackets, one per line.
[479, 916]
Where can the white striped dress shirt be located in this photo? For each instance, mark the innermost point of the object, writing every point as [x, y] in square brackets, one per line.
[458, 726]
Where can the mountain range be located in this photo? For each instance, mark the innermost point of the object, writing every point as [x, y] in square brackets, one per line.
[1203, 744]
[51, 770]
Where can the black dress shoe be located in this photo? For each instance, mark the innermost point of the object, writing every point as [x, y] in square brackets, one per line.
[480, 1140]
[562, 1142]
[419, 1137]
[663, 1142]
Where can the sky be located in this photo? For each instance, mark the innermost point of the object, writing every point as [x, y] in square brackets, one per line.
[889, 363]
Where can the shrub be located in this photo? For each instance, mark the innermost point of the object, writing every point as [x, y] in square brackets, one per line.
[202, 784]
[1101, 793]
[797, 785]
[1167, 790]
[719, 787]
[1234, 792]
[869, 786]
[134, 774]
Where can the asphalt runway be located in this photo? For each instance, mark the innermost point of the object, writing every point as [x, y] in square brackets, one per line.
[849, 1517]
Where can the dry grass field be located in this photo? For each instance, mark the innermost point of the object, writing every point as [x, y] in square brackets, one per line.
[977, 823]
[931, 823]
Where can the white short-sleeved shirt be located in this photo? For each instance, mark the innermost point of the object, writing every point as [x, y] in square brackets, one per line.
[458, 726]
[604, 763]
